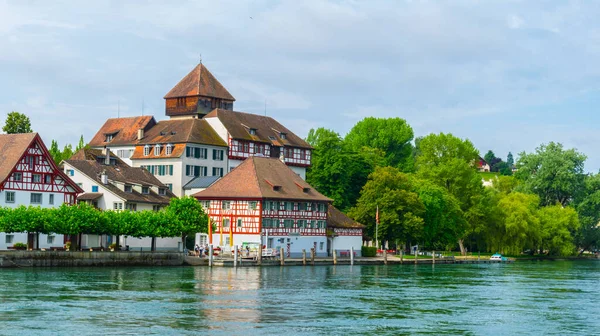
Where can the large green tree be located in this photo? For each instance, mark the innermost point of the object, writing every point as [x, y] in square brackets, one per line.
[391, 136]
[556, 175]
[400, 209]
[520, 225]
[335, 171]
[558, 227]
[17, 123]
[449, 162]
[588, 207]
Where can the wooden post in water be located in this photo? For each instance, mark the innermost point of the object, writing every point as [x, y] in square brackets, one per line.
[281, 257]
[235, 255]
[433, 254]
[210, 255]
[352, 255]
[385, 256]
[304, 257]
[312, 256]
[259, 256]
[416, 255]
[402, 256]
[334, 257]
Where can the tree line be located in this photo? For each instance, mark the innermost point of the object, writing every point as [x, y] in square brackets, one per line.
[428, 191]
[183, 216]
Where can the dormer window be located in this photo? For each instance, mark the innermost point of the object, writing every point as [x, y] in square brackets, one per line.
[276, 188]
[109, 137]
[305, 190]
[128, 188]
[252, 131]
[157, 150]
[283, 135]
[146, 150]
[163, 133]
[145, 190]
[168, 149]
[162, 191]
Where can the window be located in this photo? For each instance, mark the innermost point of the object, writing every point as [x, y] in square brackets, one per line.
[37, 178]
[200, 153]
[117, 206]
[321, 246]
[157, 150]
[19, 176]
[162, 191]
[227, 241]
[239, 223]
[252, 131]
[10, 238]
[50, 239]
[169, 149]
[48, 179]
[51, 199]
[226, 205]
[309, 224]
[289, 206]
[36, 198]
[321, 207]
[131, 206]
[302, 206]
[218, 154]
[146, 150]
[283, 135]
[205, 204]
[301, 223]
[10, 197]
[94, 188]
[217, 171]
[30, 162]
[170, 186]
[288, 223]
[225, 222]
[128, 188]
[156, 208]
[266, 222]
[320, 224]
[109, 137]
[181, 102]
[252, 205]
[145, 190]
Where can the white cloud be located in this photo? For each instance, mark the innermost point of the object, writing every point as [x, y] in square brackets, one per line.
[515, 22]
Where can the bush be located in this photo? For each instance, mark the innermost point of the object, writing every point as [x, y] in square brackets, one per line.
[368, 251]
[20, 246]
[114, 246]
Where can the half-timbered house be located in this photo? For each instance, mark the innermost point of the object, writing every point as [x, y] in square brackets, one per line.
[263, 201]
[344, 233]
[29, 177]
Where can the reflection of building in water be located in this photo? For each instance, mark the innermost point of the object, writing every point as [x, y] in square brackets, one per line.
[229, 294]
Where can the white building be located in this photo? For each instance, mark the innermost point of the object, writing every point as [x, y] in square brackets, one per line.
[344, 233]
[110, 184]
[29, 177]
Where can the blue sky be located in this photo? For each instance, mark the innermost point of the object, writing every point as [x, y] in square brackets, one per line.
[508, 75]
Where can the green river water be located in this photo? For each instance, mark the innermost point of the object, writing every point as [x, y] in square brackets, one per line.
[536, 298]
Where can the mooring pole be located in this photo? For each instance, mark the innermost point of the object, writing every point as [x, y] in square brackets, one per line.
[304, 257]
[259, 256]
[235, 255]
[401, 256]
[312, 256]
[210, 255]
[281, 257]
[416, 255]
[434, 257]
[352, 255]
[385, 256]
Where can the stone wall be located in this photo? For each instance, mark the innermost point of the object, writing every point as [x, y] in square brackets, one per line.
[83, 259]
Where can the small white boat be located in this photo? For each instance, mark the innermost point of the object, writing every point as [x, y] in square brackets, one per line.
[498, 257]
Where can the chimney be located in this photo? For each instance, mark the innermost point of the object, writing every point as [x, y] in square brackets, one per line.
[140, 134]
[104, 177]
[106, 156]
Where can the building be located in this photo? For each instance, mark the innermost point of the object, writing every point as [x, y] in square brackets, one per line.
[29, 177]
[344, 233]
[108, 183]
[263, 201]
[482, 165]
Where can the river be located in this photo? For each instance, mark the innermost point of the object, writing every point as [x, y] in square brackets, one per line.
[536, 298]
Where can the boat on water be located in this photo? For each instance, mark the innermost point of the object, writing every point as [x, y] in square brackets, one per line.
[498, 257]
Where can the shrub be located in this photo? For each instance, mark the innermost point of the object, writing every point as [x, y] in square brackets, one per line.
[20, 246]
[368, 251]
[114, 246]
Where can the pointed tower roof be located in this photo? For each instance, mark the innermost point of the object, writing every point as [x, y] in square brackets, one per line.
[199, 82]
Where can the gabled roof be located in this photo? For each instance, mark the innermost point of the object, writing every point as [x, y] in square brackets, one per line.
[262, 177]
[267, 129]
[182, 131]
[123, 129]
[337, 219]
[93, 167]
[199, 82]
[201, 182]
[12, 148]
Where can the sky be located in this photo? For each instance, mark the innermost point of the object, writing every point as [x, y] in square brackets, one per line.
[507, 75]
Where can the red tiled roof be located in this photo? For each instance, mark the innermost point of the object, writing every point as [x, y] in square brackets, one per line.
[268, 130]
[178, 150]
[12, 148]
[199, 82]
[262, 177]
[182, 131]
[124, 130]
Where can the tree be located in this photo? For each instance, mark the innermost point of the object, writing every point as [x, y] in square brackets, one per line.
[67, 152]
[588, 207]
[520, 225]
[55, 152]
[392, 136]
[449, 162]
[489, 157]
[503, 168]
[187, 216]
[554, 174]
[80, 145]
[558, 226]
[17, 123]
[510, 160]
[400, 208]
[335, 171]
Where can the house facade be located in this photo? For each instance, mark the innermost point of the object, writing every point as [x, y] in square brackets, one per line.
[344, 233]
[29, 177]
[108, 183]
[263, 201]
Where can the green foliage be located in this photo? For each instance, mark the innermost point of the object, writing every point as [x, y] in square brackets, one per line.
[187, 216]
[336, 172]
[368, 251]
[20, 246]
[520, 225]
[558, 228]
[17, 123]
[588, 208]
[489, 157]
[554, 174]
[81, 144]
[391, 136]
[510, 160]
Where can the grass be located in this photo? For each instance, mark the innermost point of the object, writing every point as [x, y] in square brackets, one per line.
[487, 175]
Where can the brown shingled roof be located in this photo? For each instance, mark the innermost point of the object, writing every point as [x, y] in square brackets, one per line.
[262, 177]
[182, 131]
[199, 82]
[268, 130]
[124, 130]
[12, 148]
[337, 219]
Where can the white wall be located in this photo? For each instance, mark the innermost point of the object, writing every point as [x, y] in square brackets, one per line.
[144, 244]
[300, 171]
[218, 126]
[345, 243]
[115, 149]
[24, 198]
[21, 237]
[86, 183]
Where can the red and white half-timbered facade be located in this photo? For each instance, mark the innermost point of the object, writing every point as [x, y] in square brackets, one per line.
[29, 177]
[263, 201]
